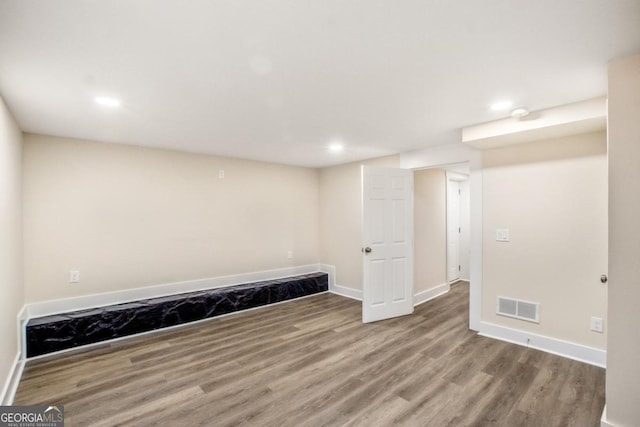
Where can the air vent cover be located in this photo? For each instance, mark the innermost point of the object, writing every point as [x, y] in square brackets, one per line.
[518, 309]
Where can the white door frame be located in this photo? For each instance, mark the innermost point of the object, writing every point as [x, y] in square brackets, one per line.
[452, 232]
[446, 155]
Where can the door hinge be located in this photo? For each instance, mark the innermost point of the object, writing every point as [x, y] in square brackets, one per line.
[459, 268]
[459, 230]
[459, 193]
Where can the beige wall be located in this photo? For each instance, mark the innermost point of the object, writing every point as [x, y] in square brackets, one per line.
[11, 284]
[552, 196]
[129, 217]
[623, 345]
[341, 218]
[430, 229]
[465, 225]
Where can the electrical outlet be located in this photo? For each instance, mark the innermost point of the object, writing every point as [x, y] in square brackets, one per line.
[596, 324]
[289, 254]
[74, 276]
[221, 174]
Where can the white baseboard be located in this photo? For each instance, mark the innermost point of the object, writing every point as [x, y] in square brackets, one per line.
[334, 288]
[46, 308]
[430, 294]
[603, 419]
[11, 383]
[579, 352]
[331, 271]
[418, 298]
[21, 321]
[346, 292]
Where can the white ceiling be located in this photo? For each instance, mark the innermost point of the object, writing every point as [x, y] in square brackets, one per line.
[278, 80]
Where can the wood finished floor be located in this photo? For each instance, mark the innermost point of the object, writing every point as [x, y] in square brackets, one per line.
[312, 362]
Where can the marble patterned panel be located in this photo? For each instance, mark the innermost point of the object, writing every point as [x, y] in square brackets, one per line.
[68, 330]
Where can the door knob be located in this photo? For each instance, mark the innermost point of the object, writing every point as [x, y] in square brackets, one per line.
[366, 250]
[604, 278]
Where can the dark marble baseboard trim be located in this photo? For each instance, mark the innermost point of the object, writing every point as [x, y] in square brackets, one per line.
[78, 328]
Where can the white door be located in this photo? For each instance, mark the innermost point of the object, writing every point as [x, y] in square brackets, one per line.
[387, 250]
[453, 230]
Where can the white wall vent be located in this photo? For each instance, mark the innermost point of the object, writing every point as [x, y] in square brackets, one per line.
[518, 309]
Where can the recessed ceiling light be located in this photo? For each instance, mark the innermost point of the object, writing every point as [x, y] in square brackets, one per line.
[501, 105]
[109, 102]
[336, 147]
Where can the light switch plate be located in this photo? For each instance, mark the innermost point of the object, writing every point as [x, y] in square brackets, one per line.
[502, 235]
[74, 276]
[596, 324]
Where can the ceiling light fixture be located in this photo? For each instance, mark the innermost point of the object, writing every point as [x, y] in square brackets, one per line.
[501, 105]
[106, 101]
[336, 147]
[519, 113]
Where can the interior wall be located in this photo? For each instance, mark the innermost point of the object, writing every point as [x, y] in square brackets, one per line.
[341, 218]
[465, 224]
[430, 234]
[552, 196]
[11, 281]
[129, 217]
[623, 345]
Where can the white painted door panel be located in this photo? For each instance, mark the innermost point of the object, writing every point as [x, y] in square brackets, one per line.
[387, 218]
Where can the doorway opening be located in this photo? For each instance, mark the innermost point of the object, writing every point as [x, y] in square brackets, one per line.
[453, 156]
[441, 229]
[458, 223]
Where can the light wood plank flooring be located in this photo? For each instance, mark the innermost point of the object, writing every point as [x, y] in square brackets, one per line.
[312, 362]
